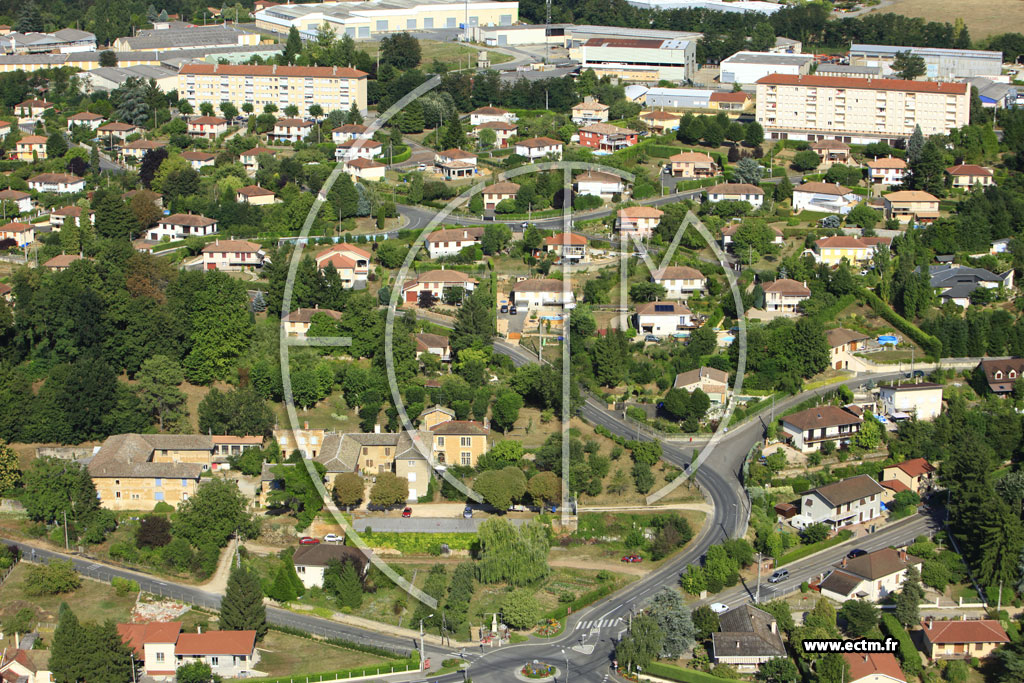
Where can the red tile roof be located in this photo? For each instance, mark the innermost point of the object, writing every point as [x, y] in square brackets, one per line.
[865, 83]
[207, 120]
[562, 238]
[137, 635]
[640, 212]
[191, 219]
[968, 169]
[976, 631]
[272, 70]
[729, 97]
[915, 467]
[216, 643]
[254, 191]
[787, 287]
[873, 664]
[231, 246]
[539, 142]
[823, 188]
[459, 427]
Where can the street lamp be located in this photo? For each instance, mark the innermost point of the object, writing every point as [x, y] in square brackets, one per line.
[566, 665]
[422, 646]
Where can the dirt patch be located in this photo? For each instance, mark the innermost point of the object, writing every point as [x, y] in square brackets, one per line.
[983, 17]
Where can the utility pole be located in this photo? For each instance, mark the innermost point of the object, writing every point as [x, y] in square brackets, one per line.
[422, 646]
[66, 547]
[757, 596]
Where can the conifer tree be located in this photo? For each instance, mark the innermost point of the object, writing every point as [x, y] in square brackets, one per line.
[242, 607]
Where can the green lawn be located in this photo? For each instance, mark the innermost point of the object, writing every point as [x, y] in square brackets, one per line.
[93, 602]
[448, 52]
[283, 654]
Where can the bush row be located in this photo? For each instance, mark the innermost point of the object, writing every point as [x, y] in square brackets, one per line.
[931, 345]
[910, 660]
[806, 550]
[414, 543]
[348, 644]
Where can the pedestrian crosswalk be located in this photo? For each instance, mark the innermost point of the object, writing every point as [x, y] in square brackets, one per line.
[596, 624]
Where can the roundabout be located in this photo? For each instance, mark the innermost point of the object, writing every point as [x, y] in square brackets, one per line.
[537, 671]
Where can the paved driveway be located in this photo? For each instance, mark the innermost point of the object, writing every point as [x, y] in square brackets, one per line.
[425, 525]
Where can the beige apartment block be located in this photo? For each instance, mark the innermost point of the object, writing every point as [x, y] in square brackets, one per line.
[303, 86]
[858, 110]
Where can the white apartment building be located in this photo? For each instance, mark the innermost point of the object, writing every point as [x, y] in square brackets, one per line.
[303, 86]
[858, 110]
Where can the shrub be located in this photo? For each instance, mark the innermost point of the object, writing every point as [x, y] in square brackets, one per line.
[53, 578]
[124, 586]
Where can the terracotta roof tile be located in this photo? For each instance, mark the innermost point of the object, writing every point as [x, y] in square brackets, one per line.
[865, 83]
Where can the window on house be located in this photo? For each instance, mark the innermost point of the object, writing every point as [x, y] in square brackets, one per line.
[440, 441]
[465, 441]
[214, 661]
[466, 458]
[159, 656]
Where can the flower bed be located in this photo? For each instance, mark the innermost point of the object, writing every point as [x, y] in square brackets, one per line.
[550, 627]
[538, 670]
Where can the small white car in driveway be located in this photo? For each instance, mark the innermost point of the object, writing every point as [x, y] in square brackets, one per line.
[719, 607]
[333, 538]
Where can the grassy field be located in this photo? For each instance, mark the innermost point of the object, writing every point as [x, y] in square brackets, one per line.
[94, 601]
[282, 654]
[448, 52]
[983, 17]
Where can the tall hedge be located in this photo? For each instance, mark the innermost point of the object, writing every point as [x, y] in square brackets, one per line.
[910, 659]
[931, 345]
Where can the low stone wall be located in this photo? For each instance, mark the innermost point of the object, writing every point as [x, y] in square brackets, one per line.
[64, 452]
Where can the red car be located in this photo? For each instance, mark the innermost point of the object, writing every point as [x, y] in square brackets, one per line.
[308, 540]
[632, 558]
[407, 512]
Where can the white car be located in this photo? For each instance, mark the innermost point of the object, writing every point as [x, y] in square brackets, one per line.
[333, 538]
[719, 607]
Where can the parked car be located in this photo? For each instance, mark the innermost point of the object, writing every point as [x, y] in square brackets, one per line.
[504, 308]
[778, 576]
[632, 558]
[422, 167]
[407, 512]
[856, 552]
[512, 310]
[309, 540]
[468, 512]
[333, 538]
[651, 338]
[719, 607]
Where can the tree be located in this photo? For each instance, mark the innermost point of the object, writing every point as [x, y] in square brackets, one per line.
[908, 66]
[401, 51]
[495, 238]
[641, 645]
[108, 58]
[452, 135]
[814, 533]
[342, 581]
[10, 470]
[53, 578]
[863, 216]
[861, 617]
[389, 489]
[298, 493]
[348, 490]
[56, 146]
[473, 323]
[292, 46]
[915, 144]
[213, 514]
[196, 672]
[510, 554]
[778, 670]
[806, 160]
[520, 609]
[545, 488]
[783, 189]
[154, 532]
[907, 600]
[158, 381]
[870, 434]
[672, 615]
[239, 412]
[927, 171]
[501, 487]
[748, 171]
[505, 410]
[55, 487]
[67, 650]
[242, 608]
[754, 135]
[646, 291]
[282, 589]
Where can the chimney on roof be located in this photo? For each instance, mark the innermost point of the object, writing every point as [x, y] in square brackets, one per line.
[376, 428]
[844, 561]
[903, 555]
[305, 425]
[865, 658]
[199, 629]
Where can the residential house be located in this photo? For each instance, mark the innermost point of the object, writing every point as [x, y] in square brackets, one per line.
[358, 148]
[232, 255]
[458, 442]
[730, 230]
[207, 126]
[85, 118]
[730, 101]
[541, 292]
[600, 184]
[498, 192]
[922, 400]
[374, 453]
[736, 192]
[969, 176]
[307, 441]
[962, 639]
[137, 471]
[539, 149]
[226, 446]
[490, 115]
[911, 206]
[589, 111]
[311, 561]
[503, 132]
[62, 262]
[808, 428]
[23, 234]
[433, 343]
[436, 282]
[874, 667]
[116, 130]
[659, 121]
[255, 195]
[181, 225]
[365, 169]
[23, 200]
[136, 149]
[291, 130]
[842, 344]
[1000, 375]
[605, 137]
[199, 160]
[60, 183]
[956, 283]
[451, 241]
[638, 221]
[784, 295]
[856, 250]
[831, 152]
[680, 281]
[351, 262]
[163, 648]
[434, 416]
[33, 109]
[250, 158]
[58, 216]
[886, 170]
[712, 381]
[297, 322]
[22, 663]
[844, 503]
[747, 638]
[827, 197]
[6, 292]
[916, 474]
[30, 148]
[455, 163]
[691, 165]
[153, 645]
[347, 132]
[664, 319]
[5, 127]
[871, 576]
[415, 469]
[568, 247]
